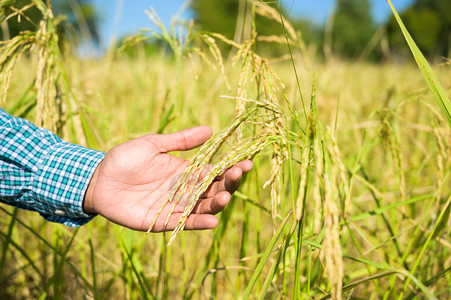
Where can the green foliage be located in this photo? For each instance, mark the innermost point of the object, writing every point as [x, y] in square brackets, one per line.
[221, 17]
[216, 16]
[428, 73]
[312, 34]
[234, 19]
[79, 17]
[137, 46]
[429, 23]
[353, 27]
[18, 23]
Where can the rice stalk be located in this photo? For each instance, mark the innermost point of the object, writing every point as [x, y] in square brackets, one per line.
[443, 139]
[216, 53]
[276, 126]
[63, 118]
[204, 57]
[271, 13]
[332, 251]
[270, 83]
[190, 186]
[390, 140]
[305, 161]
[318, 183]
[198, 163]
[277, 39]
[16, 12]
[10, 52]
[275, 181]
[245, 53]
[341, 172]
[164, 34]
[48, 114]
[225, 40]
[307, 155]
[243, 152]
[130, 42]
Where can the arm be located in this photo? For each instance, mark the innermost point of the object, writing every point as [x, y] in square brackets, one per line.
[69, 184]
[40, 172]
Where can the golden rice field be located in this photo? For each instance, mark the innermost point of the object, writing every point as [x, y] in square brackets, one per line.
[357, 199]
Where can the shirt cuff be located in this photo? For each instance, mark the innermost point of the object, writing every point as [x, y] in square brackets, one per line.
[60, 184]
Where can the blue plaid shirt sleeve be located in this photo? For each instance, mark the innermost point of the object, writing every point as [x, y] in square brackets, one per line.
[40, 172]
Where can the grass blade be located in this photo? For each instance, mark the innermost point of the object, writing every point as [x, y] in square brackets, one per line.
[421, 286]
[51, 247]
[264, 258]
[391, 206]
[276, 263]
[433, 83]
[127, 246]
[8, 238]
[22, 251]
[426, 243]
[430, 281]
[167, 118]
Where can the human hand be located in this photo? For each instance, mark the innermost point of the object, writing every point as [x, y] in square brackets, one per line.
[134, 180]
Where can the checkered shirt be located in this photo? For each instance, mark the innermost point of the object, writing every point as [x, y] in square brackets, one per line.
[40, 172]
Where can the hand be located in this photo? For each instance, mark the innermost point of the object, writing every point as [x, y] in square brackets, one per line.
[133, 181]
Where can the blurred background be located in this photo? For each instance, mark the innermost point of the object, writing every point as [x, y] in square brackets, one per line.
[352, 29]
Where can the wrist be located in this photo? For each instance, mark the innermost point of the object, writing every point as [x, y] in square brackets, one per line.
[88, 200]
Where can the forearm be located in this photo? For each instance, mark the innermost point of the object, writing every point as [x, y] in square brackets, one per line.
[40, 172]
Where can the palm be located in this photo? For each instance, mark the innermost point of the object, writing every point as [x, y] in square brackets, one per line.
[135, 178]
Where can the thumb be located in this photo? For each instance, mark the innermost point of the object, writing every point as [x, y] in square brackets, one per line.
[185, 139]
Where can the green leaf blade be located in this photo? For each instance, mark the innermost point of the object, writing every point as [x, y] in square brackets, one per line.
[432, 81]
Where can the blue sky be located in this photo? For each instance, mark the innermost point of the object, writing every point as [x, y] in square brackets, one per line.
[122, 17]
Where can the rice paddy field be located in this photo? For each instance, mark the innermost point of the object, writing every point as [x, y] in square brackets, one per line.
[349, 197]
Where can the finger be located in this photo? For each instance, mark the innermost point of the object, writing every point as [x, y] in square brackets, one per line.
[245, 166]
[213, 205]
[194, 222]
[186, 139]
[231, 181]
[201, 222]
